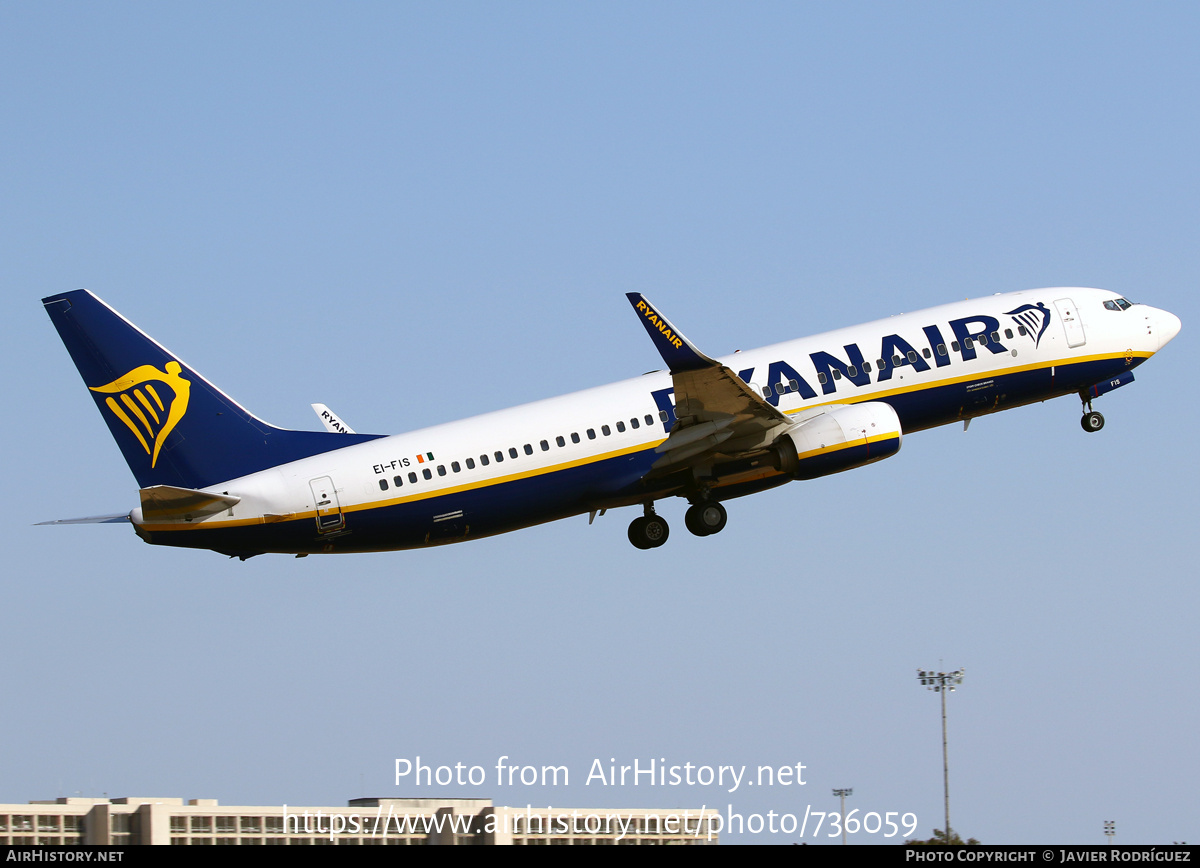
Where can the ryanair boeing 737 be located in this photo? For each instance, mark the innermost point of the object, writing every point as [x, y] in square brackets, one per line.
[214, 476]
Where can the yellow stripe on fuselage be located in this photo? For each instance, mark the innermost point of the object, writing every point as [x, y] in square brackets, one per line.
[420, 495]
[950, 381]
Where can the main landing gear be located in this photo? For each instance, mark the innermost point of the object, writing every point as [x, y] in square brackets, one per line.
[706, 517]
[650, 530]
[1091, 421]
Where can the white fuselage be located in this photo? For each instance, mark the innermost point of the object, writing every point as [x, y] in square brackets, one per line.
[591, 449]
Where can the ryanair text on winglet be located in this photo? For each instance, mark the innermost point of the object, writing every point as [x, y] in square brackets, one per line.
[652, 315]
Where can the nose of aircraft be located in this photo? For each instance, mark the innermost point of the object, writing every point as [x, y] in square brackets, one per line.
[1166, 326]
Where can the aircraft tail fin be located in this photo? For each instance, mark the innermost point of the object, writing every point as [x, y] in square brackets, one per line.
[173, 426]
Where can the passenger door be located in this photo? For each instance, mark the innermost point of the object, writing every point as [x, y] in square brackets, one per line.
[329, 508]
[1069, 316]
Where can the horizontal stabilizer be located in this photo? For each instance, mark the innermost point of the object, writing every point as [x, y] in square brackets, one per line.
[117, 518]
[167, 503]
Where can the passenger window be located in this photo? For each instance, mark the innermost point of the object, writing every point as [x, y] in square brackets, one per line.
[897, 361]
[498, 455]
[837, 375]
[852, 372]
[470, 464]
[968, 344]
[866, 367]
[398, 480]
[662, 415]
[982, 340]
[512, 451]
[821, 378]
[560, 441]
[412, 477]
[649, 419]
[995, 337]
[605, 430]
[483, 459]
[621, 427]
[528, 449]
[545, 446]
[427, 473]
[574, 437]
[880, 363]
[1021, 330]
[455, 466]
[766, 391]
[383, 485]
[912, 356]
[591, 432]
[441, 470]
[925, 352]
[941, 349]
[1008, 333]
[794, 384]
[634, 422]
[954, 346]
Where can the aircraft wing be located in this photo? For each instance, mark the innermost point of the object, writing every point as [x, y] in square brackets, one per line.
[716, 412]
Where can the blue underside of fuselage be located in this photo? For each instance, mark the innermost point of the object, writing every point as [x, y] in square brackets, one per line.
[517, 503]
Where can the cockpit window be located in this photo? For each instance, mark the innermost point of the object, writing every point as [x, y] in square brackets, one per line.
[1118, 304]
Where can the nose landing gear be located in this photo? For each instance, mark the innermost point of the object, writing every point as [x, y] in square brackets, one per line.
[1091, 421]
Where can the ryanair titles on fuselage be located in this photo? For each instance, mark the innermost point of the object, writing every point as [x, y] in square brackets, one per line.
[895, 351]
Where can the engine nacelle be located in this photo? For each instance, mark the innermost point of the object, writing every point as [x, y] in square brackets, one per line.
[841, 438]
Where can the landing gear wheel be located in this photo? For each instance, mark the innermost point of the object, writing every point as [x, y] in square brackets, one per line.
[648, 531]
[706, 518]
[1092, 421]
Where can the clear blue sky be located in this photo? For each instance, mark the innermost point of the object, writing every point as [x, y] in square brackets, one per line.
[416, 213]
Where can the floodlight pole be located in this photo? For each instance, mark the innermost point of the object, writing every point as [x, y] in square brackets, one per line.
[943, 683]
[1110, 830]
[842, 795]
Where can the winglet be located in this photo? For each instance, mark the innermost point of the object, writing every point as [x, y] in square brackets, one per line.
[330, 420]
[677, 351]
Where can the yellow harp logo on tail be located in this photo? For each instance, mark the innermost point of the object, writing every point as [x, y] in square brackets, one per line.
[147, 411]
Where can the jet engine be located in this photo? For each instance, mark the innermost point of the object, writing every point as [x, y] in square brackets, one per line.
[840, 438]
